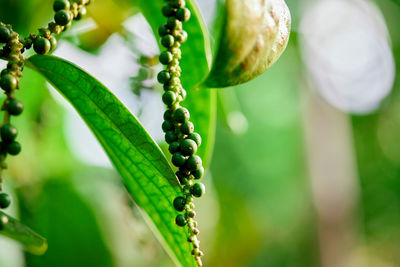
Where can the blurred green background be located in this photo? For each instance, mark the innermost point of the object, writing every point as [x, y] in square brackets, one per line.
[293, 180]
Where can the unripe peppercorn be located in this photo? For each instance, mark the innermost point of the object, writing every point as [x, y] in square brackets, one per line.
[163, 76]
[82, 12]
[198, 174]
[170, 137]
[53, 43]
[168, 10]
[167, 126]
[4, 72]
[14, 107]
[174, 147]
[180, 220]
[179, 203]
[187, 127]
[173, 23]
[163, 30]
[178, 159]
[193, 163]
[181, 37]
[165, 57]
[41, 45]
[167, 40]
[14, 148]
[5, 200]
[61, 4]
[178, 3]
[168, 115]
[5, 34]
[188, 147]
[169, 98]
[8, 132]
[181, 115]
[8, 82]
[62, 17]
[183, 14]
[198, 190]
[195, 137]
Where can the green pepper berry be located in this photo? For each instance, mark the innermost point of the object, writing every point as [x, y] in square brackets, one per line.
[181, 37]
[181, 220]
[182, 177]
[163, 30]
[178, 159]
[168, 115]
[165, 57]
[170, 137]
[14, 148]
[193, 163]
[82, 12]
[169, 98]
[192, 214]
[181, 115]
[14, 107]
[5, 34]
[198, 189]
[5, 200]
[62, 17]
[163, 76]
[188, 147]
[41, 45]
[8, 82]
[178, 3]
[167, 40]
[179, 203]
[61, 4]
[8, 133]
[167, 126]
[183, 14]
[198, 174]
[4, 72]
[53, 43]
[195, 137]
[173, 23]
[168, 10]
[174, 147]
[187, 128]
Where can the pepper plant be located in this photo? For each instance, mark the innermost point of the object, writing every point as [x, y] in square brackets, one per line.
[249, 38]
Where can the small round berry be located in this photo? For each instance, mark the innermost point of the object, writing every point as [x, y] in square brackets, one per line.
[183, 14]
[163, 30]
[167, 126]
[14, 107]
[14, 148]
[53, 43]
[180, 220]
[3, 221]
[8, 82]
[181, 115]
[169, 98]
[182, 36]
[5, 200]
[198, 189]
[173, 23]
[170, 137]
[178, 159]
[174, 147]
[168, 115]
[181, 176]
[178, 3]
[198, 174]
[4, 72]
[5, 34]
[61, 4]
[62, 17]
[163, 76]
[195, 137]
[193, 163]
[192, 214]
[41, 45]
[168, 10]
[187, 128]
[165, 57]
[8, 133]
[167, 40]
[82, 12]
[188, 147]
[179, 203]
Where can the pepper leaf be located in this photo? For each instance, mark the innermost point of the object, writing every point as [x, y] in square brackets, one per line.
[140, 162]
[254, 35]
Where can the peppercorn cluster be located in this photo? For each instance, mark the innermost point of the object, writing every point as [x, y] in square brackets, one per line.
[179, 130]
[11, 49]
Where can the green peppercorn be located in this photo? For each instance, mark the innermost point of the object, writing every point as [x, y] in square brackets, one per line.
[187, 128]
[198, 174]
[170, 137]
[198, 190]
[182, 177]
[62, 17]
[41, 45]
[5, 200]
[167, 126]
[8, 82]
[168, 115]
[173, 23]
[179, 203]
[181, 115]
[165, 57]
[195, 137]
[4, 72]
[5, 34]
[82, 12]
[14, 148]
[169, 98]
[178, 3]
[193, 163]
[3, 221]
[8, 133]
[183, 14]
[174, 147]
[181, 37]
[188, 147]
[167, 40]
[61, 4]
[183, 94]
[181, 220]
[178, 159]
[168, 10]
[163, 76]
[53, 43]
[14, 107]
[192, 214]
[163, 30]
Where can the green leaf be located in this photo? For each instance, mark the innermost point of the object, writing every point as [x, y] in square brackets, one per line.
[32, 242]
[140, 162]
[254, 35]
[196, 51]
